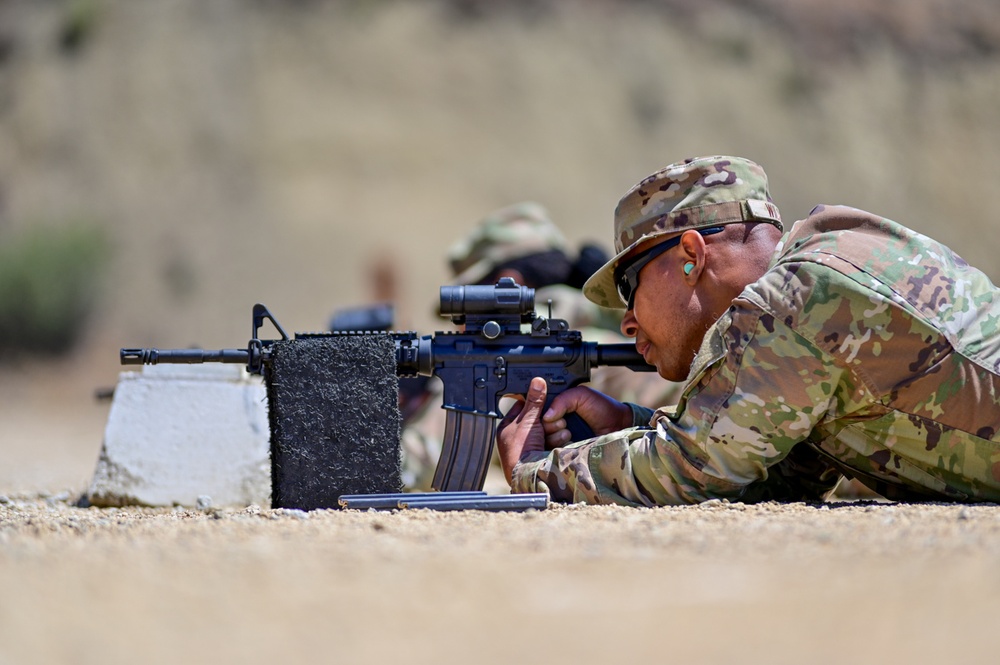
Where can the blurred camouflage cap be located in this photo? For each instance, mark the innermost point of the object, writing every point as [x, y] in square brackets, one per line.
[693, 194]
[510, 233]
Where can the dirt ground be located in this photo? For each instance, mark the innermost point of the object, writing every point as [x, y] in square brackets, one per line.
[719, 583]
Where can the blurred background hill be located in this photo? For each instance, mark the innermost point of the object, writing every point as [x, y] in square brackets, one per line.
[186, 159]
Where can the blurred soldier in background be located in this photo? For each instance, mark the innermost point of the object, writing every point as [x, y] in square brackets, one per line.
[520, 241]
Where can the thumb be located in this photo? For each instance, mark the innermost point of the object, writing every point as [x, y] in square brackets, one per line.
[534, 401]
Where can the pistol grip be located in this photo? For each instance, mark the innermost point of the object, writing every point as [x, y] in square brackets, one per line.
[578, 427]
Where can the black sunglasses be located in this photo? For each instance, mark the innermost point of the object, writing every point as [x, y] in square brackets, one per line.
[627, 277]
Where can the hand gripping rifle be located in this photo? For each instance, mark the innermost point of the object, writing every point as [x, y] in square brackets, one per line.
[491, 357]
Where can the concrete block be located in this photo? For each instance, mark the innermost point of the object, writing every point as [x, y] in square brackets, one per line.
[189, 435]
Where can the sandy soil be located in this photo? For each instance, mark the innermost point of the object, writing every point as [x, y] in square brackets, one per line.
[718, 583]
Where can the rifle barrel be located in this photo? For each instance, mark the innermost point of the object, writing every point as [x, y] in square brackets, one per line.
[622, 355]
[183, 356]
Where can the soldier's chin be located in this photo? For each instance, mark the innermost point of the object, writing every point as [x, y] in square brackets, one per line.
[670, 373]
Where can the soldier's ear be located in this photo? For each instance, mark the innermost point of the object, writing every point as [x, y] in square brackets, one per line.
[692, 248]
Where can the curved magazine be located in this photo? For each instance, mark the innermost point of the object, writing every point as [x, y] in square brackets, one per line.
[465, 452]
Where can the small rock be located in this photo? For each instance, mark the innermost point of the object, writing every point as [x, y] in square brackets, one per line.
[290, 512]
[204, 502]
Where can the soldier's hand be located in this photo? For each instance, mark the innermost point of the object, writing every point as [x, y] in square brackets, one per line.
[602, 413]
[520, 432]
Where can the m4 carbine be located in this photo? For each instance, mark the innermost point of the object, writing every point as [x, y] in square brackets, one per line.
[490, 357]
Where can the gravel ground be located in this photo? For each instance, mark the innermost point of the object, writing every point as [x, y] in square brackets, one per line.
[717, 583]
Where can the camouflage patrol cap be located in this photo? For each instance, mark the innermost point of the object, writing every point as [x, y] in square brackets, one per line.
[510, 233]
[693, 194]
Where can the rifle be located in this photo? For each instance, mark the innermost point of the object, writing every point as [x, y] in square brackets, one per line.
[478, 365]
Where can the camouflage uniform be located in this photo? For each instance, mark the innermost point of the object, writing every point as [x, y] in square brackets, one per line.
[865, 349]
[513, 232]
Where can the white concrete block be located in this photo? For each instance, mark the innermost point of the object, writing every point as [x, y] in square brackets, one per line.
[188, 435]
